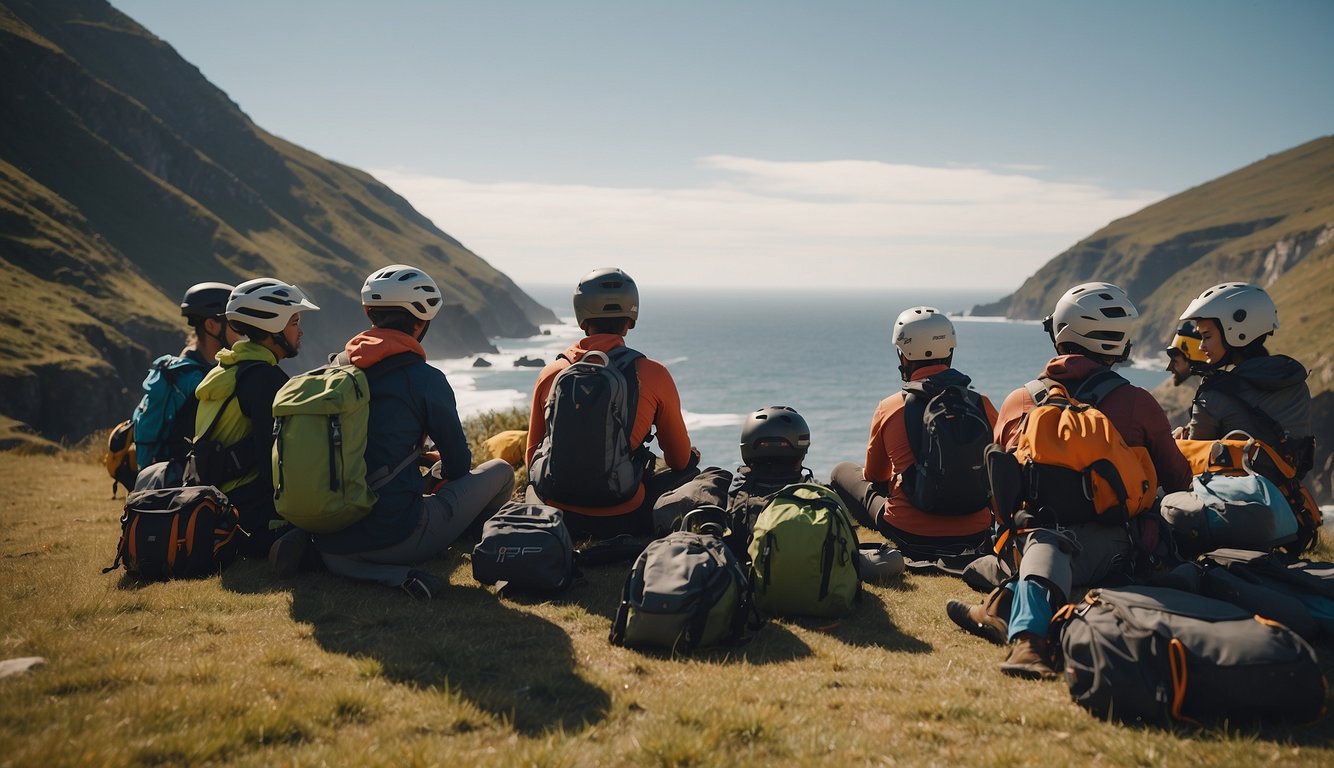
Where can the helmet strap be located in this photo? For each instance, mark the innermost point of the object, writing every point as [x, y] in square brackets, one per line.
[281, 340]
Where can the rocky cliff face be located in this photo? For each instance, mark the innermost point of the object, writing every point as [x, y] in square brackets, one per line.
[1271, 223]
[126, 177]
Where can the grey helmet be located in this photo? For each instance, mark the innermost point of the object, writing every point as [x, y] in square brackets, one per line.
[776, 432]
[1243, 311]
[206, 300]
[606, 292]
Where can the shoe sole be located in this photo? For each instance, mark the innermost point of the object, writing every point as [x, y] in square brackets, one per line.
[1029, 672]
[958, 613]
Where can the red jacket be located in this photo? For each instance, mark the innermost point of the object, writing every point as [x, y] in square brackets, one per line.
[888, 455]
[659, 406]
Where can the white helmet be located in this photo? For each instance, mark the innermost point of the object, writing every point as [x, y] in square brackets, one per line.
[267, 304]
[923, 333]
[1244, 311]
[399, 285]
[1096, 316]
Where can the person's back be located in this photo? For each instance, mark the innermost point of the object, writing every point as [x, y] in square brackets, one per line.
[877, 492]
[234, 423]
[606, 304]
[409, 399]
[1133, 410]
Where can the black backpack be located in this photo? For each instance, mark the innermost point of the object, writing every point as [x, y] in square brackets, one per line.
[177, 533]
[526, 546]
[948, 430]
[586, 458]
[1152, 654]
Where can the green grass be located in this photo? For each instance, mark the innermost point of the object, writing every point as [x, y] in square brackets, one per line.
[241, 669]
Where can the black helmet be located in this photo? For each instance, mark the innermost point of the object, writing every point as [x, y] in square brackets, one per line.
[206, 300]
[606, 292]
[776, 432]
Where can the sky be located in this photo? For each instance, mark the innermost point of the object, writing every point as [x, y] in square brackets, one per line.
[833, 144]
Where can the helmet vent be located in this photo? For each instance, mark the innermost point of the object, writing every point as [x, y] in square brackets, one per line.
[1113, 311]
[1239, 315]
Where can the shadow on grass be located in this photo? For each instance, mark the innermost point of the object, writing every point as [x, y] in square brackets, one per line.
[872, 626]
[508, 662]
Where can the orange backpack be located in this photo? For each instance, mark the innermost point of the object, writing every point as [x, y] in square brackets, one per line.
[1076, 467]
[1237, 453]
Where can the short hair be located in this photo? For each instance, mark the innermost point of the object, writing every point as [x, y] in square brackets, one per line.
[1071, 348]
[392, 318]
[617, 325]
[249, 331]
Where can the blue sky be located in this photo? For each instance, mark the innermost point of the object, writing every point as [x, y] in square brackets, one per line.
[833, 143]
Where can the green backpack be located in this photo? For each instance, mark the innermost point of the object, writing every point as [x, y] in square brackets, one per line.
[320, 421]
[804, 554]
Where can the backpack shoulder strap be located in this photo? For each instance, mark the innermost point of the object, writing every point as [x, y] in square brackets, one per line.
[1037, 389]
[625, 359]
[915, 397]
[1093, 389]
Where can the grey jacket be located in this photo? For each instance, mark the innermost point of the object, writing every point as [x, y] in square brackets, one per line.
[1275, 384]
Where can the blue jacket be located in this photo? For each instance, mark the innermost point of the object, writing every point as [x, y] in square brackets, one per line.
[409, 400]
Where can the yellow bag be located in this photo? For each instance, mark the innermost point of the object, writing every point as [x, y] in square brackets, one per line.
[510, 445]
[119, 458]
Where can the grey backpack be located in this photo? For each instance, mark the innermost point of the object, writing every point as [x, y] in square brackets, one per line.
[1152, 654]
[686, 590]
[526, 546]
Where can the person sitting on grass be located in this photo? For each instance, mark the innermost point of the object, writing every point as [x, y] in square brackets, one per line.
[234, 423]
[1090, 330]
[409, 399]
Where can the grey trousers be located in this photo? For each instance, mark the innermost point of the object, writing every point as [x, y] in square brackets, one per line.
[1083, 555]
[445, 515]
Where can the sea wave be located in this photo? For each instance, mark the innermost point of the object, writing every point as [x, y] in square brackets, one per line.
[711, 420]
[991, 319]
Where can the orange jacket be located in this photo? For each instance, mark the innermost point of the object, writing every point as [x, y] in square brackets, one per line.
[659, 406]
[888, 455]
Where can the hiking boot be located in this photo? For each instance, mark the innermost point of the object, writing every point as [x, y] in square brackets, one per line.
[976, 620]
[1028, 659]
[423, 585]
[879, 565]
[287, 553]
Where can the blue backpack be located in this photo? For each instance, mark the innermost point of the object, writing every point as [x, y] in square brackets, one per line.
[168, 387]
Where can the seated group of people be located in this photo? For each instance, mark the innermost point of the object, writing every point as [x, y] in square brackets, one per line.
[606, 480]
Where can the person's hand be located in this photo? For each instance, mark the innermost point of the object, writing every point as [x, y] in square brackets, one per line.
[694, 458]
[1179, 433]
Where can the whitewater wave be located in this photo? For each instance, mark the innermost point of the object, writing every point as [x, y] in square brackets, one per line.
[711, 420]
[991, 319]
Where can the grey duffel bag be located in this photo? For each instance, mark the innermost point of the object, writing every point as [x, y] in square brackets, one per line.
[1155, 655]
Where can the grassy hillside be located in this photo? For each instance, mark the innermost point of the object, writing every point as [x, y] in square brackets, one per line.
[1270, 223]
[125, 177]
[245, 670]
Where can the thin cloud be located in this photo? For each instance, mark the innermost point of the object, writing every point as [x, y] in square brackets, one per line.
[762, 222]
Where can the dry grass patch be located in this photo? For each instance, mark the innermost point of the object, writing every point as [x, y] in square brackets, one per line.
[241, 669]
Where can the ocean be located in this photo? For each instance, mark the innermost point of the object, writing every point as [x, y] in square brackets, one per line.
[828, 354]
